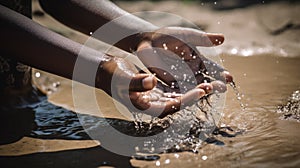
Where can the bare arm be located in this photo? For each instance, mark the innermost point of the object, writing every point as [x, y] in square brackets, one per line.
[38, 47]
[88, 16]
[32, 44]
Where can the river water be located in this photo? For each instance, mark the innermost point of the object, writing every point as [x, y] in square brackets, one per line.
[256, 136]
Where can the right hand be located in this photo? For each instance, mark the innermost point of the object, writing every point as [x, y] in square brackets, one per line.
[137, 91]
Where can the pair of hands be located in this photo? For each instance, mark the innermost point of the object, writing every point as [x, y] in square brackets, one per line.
[170, 53]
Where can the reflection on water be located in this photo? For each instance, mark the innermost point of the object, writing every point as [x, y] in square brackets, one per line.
[53, 122]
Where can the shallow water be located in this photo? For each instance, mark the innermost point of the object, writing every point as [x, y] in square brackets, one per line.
[256, 136]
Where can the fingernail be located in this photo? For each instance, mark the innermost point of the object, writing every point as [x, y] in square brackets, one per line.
[201, 93]
[228, 77]
[148, 82]
[207, 87]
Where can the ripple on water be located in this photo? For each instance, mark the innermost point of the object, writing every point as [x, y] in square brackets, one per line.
[53, 122]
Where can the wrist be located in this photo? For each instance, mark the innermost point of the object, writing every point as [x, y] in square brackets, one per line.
[104, 75]
[131, 42]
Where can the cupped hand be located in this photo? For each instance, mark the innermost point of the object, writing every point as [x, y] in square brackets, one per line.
[137, 91]
[171, 54]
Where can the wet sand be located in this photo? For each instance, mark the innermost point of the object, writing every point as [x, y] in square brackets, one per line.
[266, 80]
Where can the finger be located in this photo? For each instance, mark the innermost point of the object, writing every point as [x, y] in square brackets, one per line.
[172, 95]
[142, 82]
[194, 36]
[228, 77]
[199, 38]
[180, 102]
[207, 87]
[219, 86]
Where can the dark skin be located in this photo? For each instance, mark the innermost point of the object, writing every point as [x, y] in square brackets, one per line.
[93, 14]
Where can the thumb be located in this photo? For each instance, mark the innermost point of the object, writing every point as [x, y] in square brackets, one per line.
[142, 82]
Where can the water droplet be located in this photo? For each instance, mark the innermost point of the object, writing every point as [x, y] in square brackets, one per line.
[176, 155]
[234, 51]
[165, 73]
[176, 48]
[194, 57]
[157, 163]
[247, 52]
[204, 157]
[182, 53]
[137, 148]
[154, 51]
[37, 74]
[91, 33]
[215, 2]
[165, 46]
[56, 84]
[167, 161]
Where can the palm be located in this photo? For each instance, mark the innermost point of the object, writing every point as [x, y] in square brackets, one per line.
[127, 86]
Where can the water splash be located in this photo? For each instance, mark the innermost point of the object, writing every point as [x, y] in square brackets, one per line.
[291, 110]
[185, 130]
[238, 96]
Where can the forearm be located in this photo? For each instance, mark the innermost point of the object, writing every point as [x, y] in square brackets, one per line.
[36, 46]
[88, 16]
